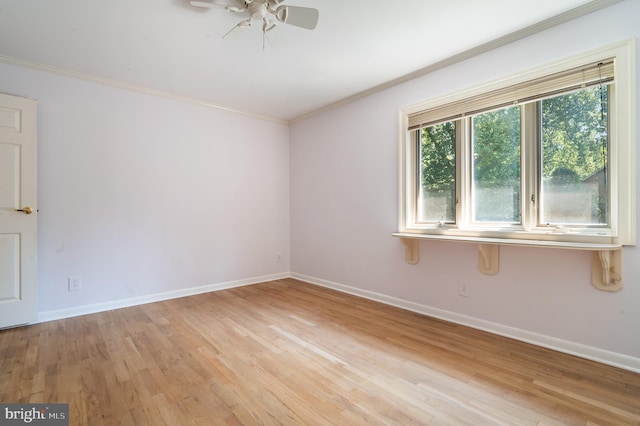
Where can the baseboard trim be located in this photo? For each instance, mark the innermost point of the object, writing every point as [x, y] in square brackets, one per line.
[157, 297]
[583, 351]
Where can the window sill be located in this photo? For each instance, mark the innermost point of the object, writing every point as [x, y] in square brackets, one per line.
[573, 245]
[606, 263]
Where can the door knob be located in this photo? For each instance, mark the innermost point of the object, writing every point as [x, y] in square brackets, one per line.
[25, 210]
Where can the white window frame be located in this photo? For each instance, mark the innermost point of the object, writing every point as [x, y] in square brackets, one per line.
[622, 166]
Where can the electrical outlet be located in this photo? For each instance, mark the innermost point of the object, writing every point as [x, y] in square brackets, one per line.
[463, 290]
[75, 284]
[278, 257]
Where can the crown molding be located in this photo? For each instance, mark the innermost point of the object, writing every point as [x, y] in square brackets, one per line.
[131, 87]
[554, 21]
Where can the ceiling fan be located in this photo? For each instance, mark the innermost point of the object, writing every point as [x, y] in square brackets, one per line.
[264, 10]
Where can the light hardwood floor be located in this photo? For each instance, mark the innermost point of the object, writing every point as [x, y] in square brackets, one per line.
[285, 352]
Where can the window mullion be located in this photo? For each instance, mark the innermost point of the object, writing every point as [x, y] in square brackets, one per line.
[530, 166]
[463, 172]
[415, 189]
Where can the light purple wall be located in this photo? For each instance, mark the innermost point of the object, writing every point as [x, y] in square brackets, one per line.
[140, 195]
[344, 196]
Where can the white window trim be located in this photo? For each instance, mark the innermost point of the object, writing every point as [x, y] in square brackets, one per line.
[606, 258]
[622, 161]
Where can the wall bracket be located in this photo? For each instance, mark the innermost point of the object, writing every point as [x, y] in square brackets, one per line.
[606, 270]
[411, 250]
[489, 258]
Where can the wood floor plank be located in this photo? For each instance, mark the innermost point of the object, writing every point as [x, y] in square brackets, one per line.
[286, 352]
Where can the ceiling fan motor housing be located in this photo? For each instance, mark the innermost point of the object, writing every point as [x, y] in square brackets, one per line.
[257, 9]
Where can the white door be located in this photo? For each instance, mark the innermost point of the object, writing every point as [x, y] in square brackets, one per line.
[18, 211]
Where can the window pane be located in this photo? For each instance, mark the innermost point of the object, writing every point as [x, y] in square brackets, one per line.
[437, 173]
[496, 166]
[574, 158]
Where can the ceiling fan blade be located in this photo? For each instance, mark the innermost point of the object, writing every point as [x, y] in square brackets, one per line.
[206, 4]
[227, 7]
[303, 17]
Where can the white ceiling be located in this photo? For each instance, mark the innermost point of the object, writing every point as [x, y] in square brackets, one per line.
[175, 48]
